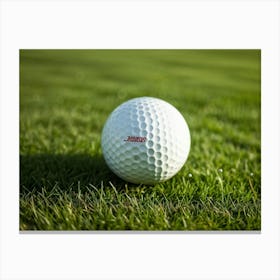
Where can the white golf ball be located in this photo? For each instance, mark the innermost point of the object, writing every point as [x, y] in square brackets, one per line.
[145, 140]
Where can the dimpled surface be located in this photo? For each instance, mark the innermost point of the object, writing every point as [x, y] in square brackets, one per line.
[145, 140]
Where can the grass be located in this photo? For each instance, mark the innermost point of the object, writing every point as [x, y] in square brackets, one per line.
[65, 98]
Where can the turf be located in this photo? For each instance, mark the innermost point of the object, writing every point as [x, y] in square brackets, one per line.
[65, 98]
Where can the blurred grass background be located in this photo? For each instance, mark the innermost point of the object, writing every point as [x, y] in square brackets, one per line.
[65, 99]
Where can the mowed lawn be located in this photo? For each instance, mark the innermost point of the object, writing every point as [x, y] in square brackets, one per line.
[65, 99]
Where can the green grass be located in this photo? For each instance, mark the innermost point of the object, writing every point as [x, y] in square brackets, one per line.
[65, 98]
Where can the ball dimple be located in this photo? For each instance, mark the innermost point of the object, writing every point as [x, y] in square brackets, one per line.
[157, 147]
[158, 155]
[150, 143]
[159, 162]
[143, 126]
[151, 167]
[120, 161]
[165, 166]
[150, 137]
[164, 141]
[133, 117]
[134, 150]
[151, 152]
[143, 133]
[151, 160]
[144, 156]
[136, 157]
[134, 168]
[134, 124]
[158, 169]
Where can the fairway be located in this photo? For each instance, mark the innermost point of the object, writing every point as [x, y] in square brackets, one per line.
[66, 97]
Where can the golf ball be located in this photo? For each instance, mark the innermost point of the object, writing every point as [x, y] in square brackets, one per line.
[145, 140]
